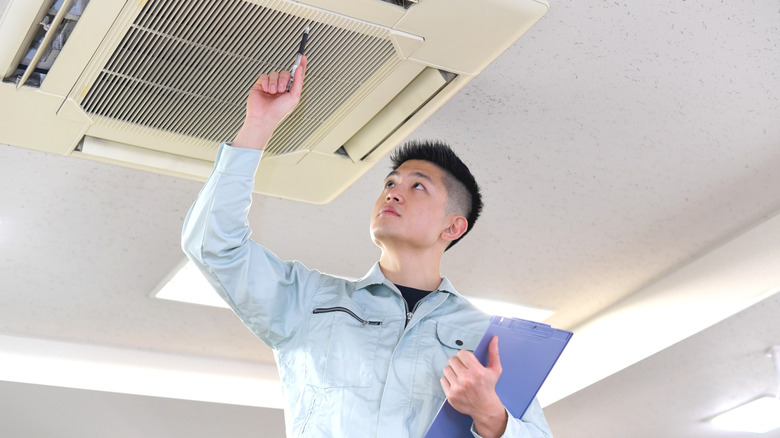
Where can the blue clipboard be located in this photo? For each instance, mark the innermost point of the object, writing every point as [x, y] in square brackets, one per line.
[528, 352]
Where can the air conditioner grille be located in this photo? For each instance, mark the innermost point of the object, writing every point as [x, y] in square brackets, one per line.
[185, 66]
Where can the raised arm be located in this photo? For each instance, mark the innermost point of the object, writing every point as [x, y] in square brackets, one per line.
[269, 295]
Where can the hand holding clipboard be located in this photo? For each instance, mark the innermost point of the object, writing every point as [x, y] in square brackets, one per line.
[529, 351]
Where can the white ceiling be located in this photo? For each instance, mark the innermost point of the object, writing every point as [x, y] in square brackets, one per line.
[624, 149]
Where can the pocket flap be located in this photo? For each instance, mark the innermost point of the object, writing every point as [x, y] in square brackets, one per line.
[456, 337]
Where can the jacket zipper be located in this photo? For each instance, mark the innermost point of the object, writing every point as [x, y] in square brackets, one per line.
[409, 314]
[362, 321]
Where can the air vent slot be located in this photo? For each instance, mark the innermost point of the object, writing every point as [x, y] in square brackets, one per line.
[45, 42]
[185, 67]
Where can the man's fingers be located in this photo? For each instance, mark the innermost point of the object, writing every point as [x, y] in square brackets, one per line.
[449, 374]
[277, 82]
[262, 83]
[468, 359]
[284, 79]
[445, 385]
[457, 366]
[273, 82]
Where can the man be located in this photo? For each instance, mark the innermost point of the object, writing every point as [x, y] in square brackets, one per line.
[369, 358]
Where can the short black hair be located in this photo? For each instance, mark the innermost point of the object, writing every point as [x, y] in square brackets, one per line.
[462, 189]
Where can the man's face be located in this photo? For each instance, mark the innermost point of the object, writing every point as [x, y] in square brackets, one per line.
[411, 210]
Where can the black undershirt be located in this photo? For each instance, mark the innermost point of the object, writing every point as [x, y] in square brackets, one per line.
[412, 295]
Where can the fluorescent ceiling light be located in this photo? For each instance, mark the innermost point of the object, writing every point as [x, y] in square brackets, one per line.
[511, 310]
[189, 286]
[132, 371]
[758, 416]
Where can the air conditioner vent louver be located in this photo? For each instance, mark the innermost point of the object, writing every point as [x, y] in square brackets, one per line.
[46, 40]
[186, 66]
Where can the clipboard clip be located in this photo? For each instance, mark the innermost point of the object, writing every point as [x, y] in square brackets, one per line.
[532, 328]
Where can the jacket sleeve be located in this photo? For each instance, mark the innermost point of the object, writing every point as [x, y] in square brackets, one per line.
[532, 425]
[269, 295]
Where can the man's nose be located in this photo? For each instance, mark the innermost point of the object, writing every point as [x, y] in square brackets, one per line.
[393, 195]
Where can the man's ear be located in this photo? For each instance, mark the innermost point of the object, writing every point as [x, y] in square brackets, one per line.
[458, 226]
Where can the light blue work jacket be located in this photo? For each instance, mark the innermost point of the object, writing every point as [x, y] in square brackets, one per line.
[353, 360]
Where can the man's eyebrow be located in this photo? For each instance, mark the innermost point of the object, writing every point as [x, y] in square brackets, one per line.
[423, 176]
[418, 174]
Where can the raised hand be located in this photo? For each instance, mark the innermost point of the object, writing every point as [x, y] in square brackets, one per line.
[267, 105]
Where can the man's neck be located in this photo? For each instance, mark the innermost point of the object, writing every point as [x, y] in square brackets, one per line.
[416, 269]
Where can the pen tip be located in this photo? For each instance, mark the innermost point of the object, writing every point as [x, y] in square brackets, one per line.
[307, 30]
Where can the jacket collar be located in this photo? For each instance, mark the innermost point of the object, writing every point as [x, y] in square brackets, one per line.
[375, 276]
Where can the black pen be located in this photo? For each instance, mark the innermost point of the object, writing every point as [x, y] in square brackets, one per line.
[298, 58]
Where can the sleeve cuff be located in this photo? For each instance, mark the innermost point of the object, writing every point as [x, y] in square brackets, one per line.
[237, 161]
[511, 426]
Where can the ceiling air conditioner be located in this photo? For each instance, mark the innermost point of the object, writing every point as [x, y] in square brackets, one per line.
[158, 84]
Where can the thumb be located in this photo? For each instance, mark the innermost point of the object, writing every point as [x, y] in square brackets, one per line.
[297, 85]
[494, 361]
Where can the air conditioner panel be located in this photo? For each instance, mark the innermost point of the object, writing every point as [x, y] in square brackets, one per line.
[173, 143]
[393, 115]
[371, 11]
[406, 44]
[307, 182]
[316, 178]
[144, 84]
[28, 118]
[477, 33]
[166, 142]
[143, 158]
[369, 106]
[418, 118]
[161, 79]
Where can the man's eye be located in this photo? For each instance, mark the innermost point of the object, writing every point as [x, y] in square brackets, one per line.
[418, 186]
[389, 184]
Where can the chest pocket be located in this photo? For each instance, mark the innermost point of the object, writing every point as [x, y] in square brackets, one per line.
[341, 346]
[438, 343]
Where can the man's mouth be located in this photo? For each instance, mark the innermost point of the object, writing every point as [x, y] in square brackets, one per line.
[388, 210]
